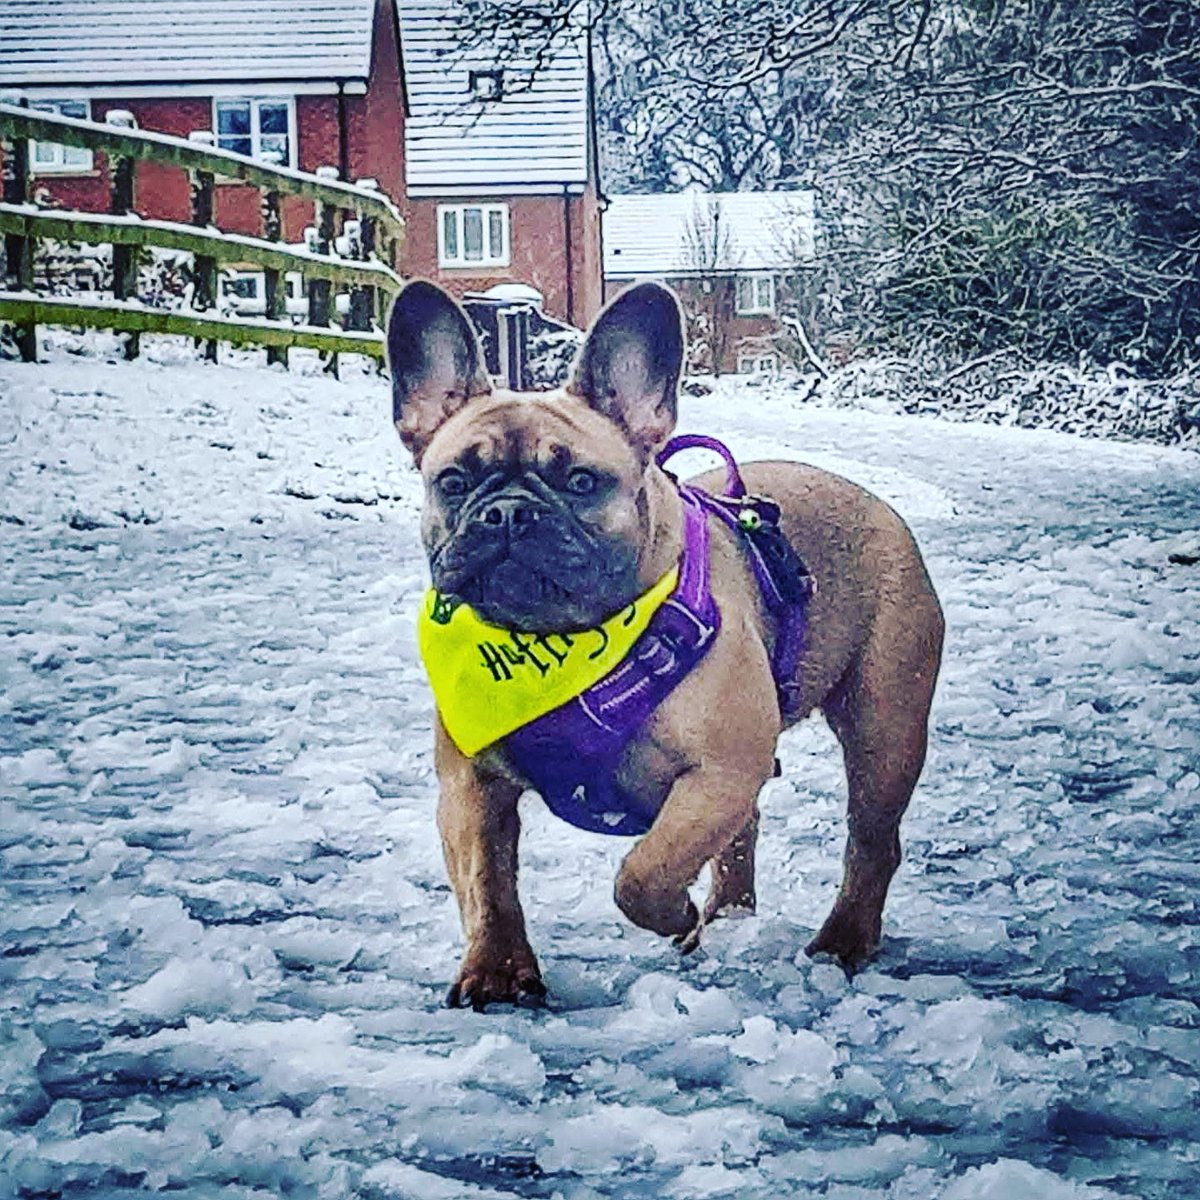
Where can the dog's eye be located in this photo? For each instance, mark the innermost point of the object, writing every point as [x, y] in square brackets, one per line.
[581, 482]
[452, 482]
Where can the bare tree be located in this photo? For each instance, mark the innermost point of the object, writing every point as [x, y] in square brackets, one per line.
[709, 257]
[988, 173]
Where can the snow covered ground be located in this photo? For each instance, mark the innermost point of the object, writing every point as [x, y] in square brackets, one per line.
[225, 931]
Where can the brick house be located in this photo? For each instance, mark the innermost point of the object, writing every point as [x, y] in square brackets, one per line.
[294, 82]
[502, 176]
[734, 258]
[495, 176]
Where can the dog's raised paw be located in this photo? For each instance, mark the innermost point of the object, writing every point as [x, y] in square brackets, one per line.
[687, 942]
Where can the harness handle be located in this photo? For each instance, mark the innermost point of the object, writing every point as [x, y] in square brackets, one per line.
[734, 486]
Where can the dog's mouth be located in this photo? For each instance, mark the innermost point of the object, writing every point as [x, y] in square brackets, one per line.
[513, 585]
[535, 597]
[539, 573]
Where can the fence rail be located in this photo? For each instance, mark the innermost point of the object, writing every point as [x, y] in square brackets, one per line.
[365, 222]
[228, 249]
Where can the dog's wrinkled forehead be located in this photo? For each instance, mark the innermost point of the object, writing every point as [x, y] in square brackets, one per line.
[626, 375]
[514, 432]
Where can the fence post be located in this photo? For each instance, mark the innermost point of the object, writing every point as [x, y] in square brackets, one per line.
[512, 338]
[122, 175]
[18, 247]
[320, 290]
[204, 268]
[362, 299]
[274, 282]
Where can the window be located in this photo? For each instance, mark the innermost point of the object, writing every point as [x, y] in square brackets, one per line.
[261, 129]
[486, 85]
[51, 158]
[472, 235]
[755, 294]
[755, 363]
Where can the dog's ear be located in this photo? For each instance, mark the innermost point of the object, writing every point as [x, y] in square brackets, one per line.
[629, 366]
[436, 361]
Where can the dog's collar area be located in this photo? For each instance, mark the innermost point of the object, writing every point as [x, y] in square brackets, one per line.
[489, 681]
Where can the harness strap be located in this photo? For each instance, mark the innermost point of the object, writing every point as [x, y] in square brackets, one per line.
[698, 441]
[791, 616]
[789, 610]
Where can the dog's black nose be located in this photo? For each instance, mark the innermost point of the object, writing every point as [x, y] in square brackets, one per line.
[517, 512]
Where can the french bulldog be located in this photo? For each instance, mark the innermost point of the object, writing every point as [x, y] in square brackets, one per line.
[547, 512]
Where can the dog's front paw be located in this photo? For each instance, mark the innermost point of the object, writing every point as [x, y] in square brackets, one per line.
[850, 935]
[667, 911]
[495, 976]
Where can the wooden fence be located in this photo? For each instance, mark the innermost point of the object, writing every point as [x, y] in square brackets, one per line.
[366, 272]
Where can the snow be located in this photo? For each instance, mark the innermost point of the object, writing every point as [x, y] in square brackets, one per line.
[1001, 389]
[225, 930]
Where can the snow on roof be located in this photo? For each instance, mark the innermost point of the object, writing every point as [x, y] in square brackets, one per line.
[82, 42]
[534, 138]
[682, 233]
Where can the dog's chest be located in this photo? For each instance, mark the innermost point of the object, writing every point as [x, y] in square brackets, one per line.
[620, 796]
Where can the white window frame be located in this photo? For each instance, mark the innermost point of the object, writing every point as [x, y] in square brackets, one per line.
[62, 160]
[460, 260]
[756, 362]
[256, 102]
[755, 305]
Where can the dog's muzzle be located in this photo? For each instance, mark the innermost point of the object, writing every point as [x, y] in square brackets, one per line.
[518, 516]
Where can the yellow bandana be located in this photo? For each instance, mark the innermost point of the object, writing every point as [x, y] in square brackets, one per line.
[488, 681]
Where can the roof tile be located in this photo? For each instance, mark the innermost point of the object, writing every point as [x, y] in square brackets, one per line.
[534, 137]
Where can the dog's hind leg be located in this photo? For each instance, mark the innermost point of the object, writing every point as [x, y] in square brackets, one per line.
[880, 713]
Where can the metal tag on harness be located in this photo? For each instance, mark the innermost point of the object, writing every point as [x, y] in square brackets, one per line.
[758, 519]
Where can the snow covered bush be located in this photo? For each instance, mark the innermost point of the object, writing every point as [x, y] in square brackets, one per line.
[551, 353]
[998, 390]
[71, 269]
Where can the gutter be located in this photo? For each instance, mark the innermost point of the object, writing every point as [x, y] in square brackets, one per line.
[567, 234]
[343, 133]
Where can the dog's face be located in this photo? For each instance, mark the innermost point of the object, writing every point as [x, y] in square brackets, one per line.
[535, 504]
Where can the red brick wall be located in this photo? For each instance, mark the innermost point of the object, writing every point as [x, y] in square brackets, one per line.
[538, 251]
[375, 128]
[377, 119]
[589, 263]
[160, 191]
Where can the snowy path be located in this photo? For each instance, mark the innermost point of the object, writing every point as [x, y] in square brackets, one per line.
[224, 927]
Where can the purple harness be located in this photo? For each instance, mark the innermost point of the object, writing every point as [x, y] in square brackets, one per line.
[570, 755]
